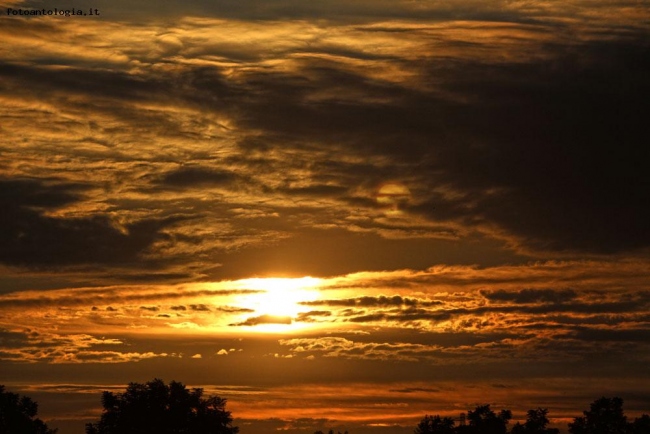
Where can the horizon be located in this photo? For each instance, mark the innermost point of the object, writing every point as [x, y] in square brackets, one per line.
[459, 420]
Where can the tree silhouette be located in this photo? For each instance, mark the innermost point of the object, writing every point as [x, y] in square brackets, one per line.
[157, 408]
[604, 417]
[536, 422]
[18, 415]
[641, 425]
[331, 431]
[485, 421]
[482, 420]
[435, 425]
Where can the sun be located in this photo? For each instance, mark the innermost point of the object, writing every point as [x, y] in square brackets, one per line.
[279, 296]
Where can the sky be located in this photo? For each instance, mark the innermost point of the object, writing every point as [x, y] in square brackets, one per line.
[334, 214]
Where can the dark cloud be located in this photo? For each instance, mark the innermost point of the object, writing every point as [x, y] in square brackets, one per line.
[11, 339]
[374, 317]
[309, 316]
[369, 301]
[407, 315]
[231, 309]
[109, 84]
[549, 152]
[576, 307]
[530, 295]
[264, 319]
[198, 177]
[31, 238]
[38, 193]
[204, 89]
[91, 296]
[316, 191]
[200, 308]
[76, 388]
[560, 144]
[592, 307]
[545, 154]
[414, 390]
[599, 309]
[640, 335]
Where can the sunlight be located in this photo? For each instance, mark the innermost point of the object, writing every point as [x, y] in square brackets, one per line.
[280, 296]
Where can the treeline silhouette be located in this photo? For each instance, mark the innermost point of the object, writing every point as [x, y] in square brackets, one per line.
[605, 416]
[159, 408]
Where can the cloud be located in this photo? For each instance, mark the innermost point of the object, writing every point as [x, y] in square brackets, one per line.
[230, 309]
[368, 301]
[312, 315]
[560, 191]
[312, 124]
[193, 177]
[342, 347]
[415, 390]
[34, 347]
[106, 357]
[74, 388]
[116, 294]
[185, 325]
[30, 237]
[638, 334]
[264, 319]
[530, 295]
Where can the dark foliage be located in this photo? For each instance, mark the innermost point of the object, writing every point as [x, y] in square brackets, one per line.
[158, 408]
[536, 422]
[640, 425]
[485, 421]
[435, 425]
[18, 415]
[604, 417]
[482, 420]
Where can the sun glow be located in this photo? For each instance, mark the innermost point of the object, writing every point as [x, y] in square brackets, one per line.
[279, 299]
